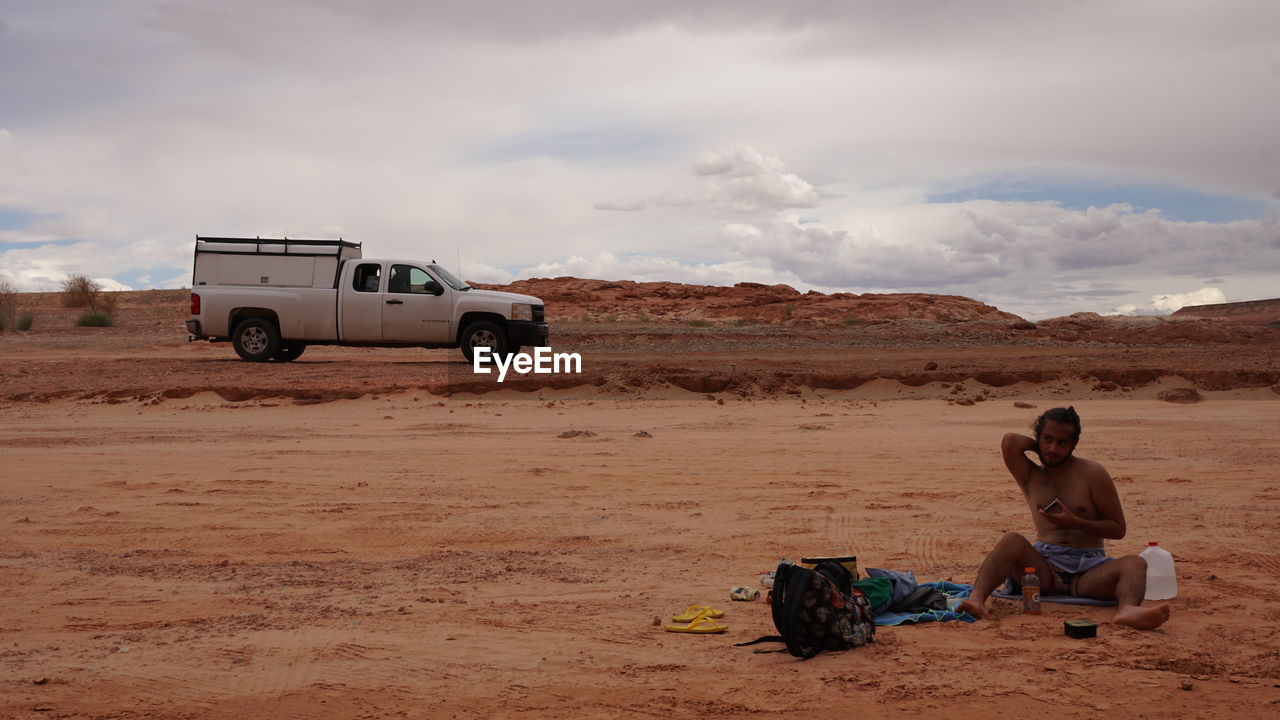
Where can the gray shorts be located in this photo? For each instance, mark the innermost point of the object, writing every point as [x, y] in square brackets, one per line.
[1068, 564]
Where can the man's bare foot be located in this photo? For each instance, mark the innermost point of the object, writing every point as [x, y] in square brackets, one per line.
[1142, 618]
[972, 606]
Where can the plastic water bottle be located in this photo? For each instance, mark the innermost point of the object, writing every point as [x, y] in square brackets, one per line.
[1162, 583]
[1031, 592]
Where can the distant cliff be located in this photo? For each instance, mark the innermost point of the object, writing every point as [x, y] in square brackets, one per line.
[1254, 312]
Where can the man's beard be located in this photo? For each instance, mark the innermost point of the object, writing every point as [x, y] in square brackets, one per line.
[1048, 464]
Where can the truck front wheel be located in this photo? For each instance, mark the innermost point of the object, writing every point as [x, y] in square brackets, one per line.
[483, 333]
[256, 340]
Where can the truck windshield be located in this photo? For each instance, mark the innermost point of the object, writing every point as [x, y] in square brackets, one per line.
[448, 277]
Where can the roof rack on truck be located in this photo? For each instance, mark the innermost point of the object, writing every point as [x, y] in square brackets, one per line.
[272, 246]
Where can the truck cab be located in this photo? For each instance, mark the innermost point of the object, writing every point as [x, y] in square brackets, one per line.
[412, 302]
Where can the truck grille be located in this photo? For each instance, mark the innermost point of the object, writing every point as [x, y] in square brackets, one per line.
[537, 313]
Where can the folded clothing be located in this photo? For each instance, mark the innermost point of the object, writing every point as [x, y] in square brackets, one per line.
[953, 592]
[878, 590]
[902, 585]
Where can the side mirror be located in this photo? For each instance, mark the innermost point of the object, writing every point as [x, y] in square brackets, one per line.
[434, 288]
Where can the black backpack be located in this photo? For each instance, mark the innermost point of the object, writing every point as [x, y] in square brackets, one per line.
[818, 609]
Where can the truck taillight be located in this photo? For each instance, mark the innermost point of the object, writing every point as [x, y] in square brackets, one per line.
[195, 304]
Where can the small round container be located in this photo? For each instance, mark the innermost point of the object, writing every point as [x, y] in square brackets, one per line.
[744, 593]
[1080, 629]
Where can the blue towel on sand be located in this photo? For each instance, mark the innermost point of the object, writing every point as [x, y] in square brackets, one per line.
[954, 592]
[1007, 594]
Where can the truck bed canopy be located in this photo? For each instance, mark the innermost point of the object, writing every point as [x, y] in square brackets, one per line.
[283, 262]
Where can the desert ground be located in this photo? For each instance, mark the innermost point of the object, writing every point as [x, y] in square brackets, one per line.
[379, 533]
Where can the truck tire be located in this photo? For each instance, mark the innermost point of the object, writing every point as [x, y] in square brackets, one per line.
[256, 340]
[289, 351]
[483, 333]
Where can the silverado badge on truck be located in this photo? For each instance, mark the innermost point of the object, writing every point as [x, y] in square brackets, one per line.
[273, 298]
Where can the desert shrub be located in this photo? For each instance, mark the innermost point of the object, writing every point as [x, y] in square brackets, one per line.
[852, 321]
[700, 323]
[8, 305]
[78, 291]
[94, 319]
[788, 309]
[25, 321]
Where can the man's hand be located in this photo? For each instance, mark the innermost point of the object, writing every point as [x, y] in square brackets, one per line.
[1059, 514]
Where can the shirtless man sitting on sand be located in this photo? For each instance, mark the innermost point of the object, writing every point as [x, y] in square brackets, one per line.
[1074, 505]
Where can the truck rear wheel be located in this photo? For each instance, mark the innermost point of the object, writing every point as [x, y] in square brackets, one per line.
[483, 333]
[289, 351]
[256, 340]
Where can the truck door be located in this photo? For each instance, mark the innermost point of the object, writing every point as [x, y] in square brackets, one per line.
[418, 307]
[362, 298]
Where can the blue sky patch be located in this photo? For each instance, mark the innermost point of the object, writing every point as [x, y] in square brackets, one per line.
[584, 146]
[1174, 202]
[154, 276]
[16, 219]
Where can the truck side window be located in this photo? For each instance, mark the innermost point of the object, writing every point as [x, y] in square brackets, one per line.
[409, 279]
[366, 278]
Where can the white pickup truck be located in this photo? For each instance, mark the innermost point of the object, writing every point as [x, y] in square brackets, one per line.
[273, 298]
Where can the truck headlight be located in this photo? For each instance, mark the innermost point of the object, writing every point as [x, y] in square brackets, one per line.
[522, 311]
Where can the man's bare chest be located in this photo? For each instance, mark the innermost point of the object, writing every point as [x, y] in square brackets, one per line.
[1072, 491]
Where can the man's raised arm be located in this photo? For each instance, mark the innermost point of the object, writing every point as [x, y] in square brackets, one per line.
[1015, 447]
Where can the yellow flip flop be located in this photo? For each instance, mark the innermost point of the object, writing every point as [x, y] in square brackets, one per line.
[696, 611]
[701, 624]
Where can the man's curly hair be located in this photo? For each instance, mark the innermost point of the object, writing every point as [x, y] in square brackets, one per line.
[1066, 415]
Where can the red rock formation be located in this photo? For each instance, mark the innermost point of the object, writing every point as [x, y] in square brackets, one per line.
[1254, 312]
[570, 298]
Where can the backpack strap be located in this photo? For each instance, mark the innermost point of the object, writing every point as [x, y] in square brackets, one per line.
[787, 608]
[766, 638]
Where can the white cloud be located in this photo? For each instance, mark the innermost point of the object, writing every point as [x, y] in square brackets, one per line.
[747, 180]
[1170, 303]
[483, 273]
[742, 180]
[1039, 257]
[645, 268]
[44, 267]
[111, 285]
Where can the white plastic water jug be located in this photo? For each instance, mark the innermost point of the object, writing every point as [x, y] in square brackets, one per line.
[1162, 583]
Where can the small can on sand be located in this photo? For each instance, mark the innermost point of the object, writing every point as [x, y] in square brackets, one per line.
[744, 593]
[1080, 628]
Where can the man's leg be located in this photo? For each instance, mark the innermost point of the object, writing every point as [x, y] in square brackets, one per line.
[1125, 581]
[1010, 556]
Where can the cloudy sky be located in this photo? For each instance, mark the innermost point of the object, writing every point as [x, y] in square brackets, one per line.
[1046, 158]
